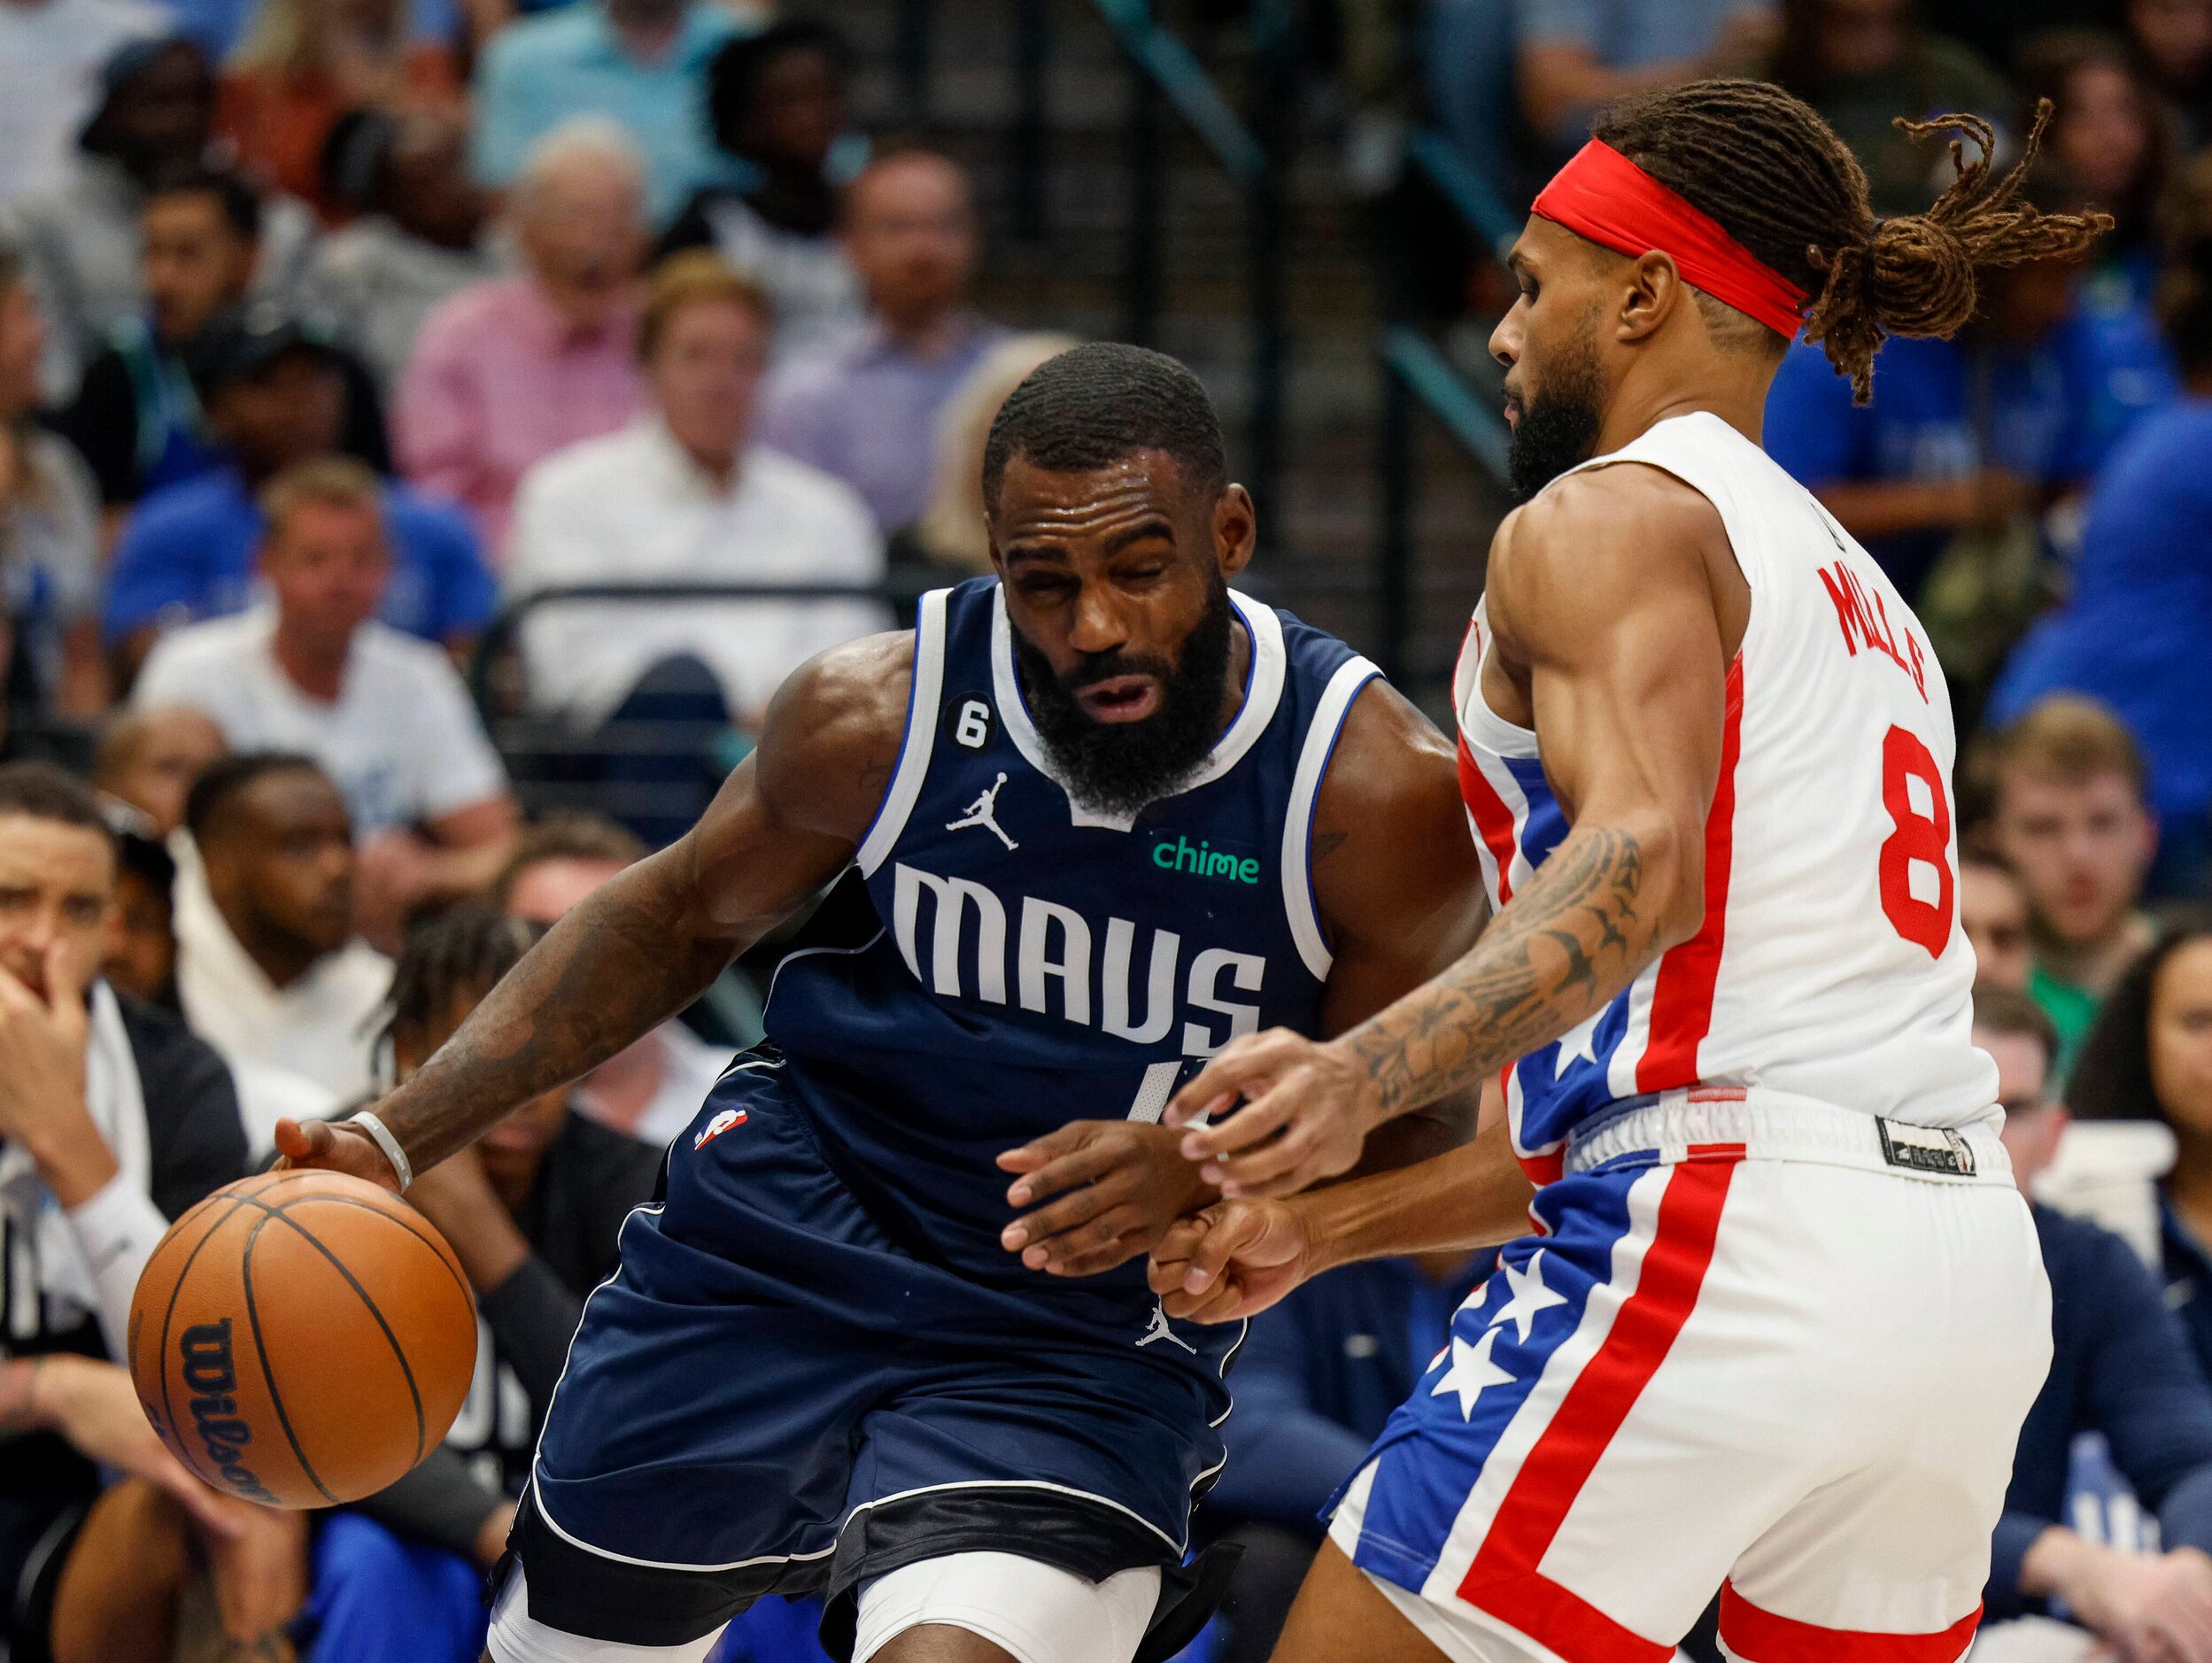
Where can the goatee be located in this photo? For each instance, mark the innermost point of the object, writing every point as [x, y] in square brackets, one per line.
[1115, 767]
[1558, 428]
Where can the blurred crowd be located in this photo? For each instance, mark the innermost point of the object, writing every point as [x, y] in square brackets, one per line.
[330, 328]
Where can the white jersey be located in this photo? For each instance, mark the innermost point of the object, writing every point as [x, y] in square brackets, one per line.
[1830, 968]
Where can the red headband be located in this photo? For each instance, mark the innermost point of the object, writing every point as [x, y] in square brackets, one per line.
[1605, 196]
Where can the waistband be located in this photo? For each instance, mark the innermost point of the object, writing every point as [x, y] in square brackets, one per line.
[1705, 1124]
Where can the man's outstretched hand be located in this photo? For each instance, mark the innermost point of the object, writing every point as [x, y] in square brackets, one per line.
[1119, 1184]
[1232, 1259]
[1308, 1109]
[334, 1147]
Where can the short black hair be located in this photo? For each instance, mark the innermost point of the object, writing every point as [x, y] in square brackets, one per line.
[240, 202]
[226, 775]
[45, 791]
[734, 73]
[1096, 405]
[451, 956]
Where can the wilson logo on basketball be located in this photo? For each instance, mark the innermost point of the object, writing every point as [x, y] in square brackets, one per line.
[213, 1376]
[722, 1122]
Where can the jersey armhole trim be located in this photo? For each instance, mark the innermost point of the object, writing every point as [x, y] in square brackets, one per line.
[915, 745]
[1329, 714]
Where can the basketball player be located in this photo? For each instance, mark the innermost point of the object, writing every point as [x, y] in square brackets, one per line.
[1783, 1313]
[1110, 816]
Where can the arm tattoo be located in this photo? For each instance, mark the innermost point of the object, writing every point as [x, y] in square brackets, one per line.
[1574, 936]
[624, 961]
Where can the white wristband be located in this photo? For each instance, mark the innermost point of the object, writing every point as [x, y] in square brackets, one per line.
[381, 1135]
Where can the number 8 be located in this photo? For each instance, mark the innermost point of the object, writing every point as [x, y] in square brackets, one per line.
[1918, 837]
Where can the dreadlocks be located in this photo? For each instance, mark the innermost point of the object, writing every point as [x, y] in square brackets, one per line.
[1777, 179]
[452, 957]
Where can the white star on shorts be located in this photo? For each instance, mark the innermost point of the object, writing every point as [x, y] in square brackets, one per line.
[1472, 1373]
[1578, 1044]
[1531, 1298]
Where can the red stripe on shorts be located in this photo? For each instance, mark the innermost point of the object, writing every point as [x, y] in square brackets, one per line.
[1760, 1637]
[1682, 1000]
[1492, 818]
[1503, 1580]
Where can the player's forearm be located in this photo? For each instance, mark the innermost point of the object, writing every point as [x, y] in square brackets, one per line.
[1475, 1195]
[624, 961]
[1600, 909]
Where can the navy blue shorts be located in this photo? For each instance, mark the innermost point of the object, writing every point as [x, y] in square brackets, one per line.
[775, 1394]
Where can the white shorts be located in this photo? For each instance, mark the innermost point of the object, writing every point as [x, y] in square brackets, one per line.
[1798, 1380]
[1034, 1613]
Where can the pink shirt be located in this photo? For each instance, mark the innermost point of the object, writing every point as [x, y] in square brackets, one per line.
[498, 380]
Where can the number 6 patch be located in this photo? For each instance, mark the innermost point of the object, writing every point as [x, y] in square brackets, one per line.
[968, 721]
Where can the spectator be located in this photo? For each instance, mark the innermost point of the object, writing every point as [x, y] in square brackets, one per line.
[307, 63]
[1319, 1375]
[777, 100]
[268, 968]
[1467, 54]
[1862, 64]
[652, 1090]
[2071, 820]
[866, 409]
[2114, 138]
[508, 372]
[1969, 438]
[385, 716]
[531, 1210]
[113, 1120]
[2150, 1059]
[148, 759]
[49, 530]
[951, 532]
[420, 240]
[2120, 1367]
[2133, 631]
[136, 417]
[51, 54]
[640, 64]
[2173, 42]
[1575, 55]
[81, 236]
[277, 396]
[1993, 912]
[685, 496]
[139, 955]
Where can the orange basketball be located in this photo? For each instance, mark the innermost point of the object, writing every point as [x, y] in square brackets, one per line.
[302, 1338]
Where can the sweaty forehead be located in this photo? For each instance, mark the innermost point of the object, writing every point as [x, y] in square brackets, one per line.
[1036, 503]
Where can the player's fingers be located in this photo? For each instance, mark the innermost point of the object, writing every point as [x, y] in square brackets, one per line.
[1112, 1256]
[1257, 1121]
[1240, 1063]
[1102, 1236]
[1210, 1258]
[1172, 1253]
[1063, 1215]
[1218, 1303]
[1034, 1154]
[1274, 1169]
[1081, 1166]
[300, 1141]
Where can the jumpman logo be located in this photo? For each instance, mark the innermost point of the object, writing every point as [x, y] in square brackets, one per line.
[984, 812]
[1159, 1330]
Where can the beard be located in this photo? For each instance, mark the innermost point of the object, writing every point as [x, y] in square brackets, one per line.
[1118, 767]
[1558, 428]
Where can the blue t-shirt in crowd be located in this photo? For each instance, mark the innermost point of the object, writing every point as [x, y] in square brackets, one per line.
[2055, 410]
[2188, 1268]
[191, 552]
[2121, 1366]
[2137, 631]
[1319, 1374]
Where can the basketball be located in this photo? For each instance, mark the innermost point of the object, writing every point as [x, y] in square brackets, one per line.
[302, 1338]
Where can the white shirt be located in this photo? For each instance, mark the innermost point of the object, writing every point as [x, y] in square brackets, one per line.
[51, 56]
[634, 507]
[322, 1028]
[401, 740]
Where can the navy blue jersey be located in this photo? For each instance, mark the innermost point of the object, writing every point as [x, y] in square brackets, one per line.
[1038, 962]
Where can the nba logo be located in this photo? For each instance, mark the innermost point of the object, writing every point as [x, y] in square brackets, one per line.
[723, 1121]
